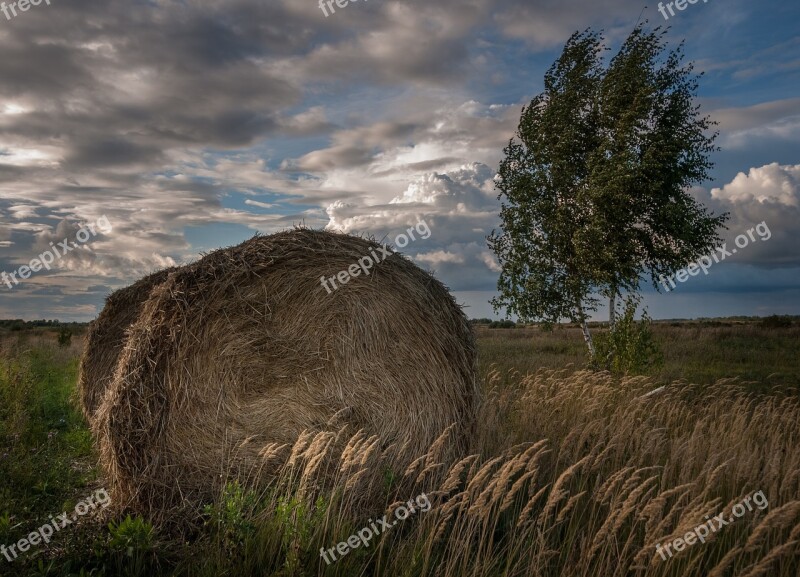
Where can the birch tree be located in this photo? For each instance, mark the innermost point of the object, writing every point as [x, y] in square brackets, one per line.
[594, 188]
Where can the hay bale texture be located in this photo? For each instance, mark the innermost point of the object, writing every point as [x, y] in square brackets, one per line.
[245, 348]
[106, 338]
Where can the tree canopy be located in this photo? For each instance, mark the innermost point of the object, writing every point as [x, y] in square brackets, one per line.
[594, 189]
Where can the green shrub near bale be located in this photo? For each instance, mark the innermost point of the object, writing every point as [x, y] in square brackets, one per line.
[64, 337]
[245, 349]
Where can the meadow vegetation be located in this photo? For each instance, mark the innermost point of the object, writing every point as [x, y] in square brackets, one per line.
[764, 353]
[571, 472]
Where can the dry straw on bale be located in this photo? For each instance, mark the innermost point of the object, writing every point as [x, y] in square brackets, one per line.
[245, 348]
[106, 338]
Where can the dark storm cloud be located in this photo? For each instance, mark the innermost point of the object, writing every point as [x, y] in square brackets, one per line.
[134, 80]
[126, 85]
[40, 70]
[109, 152]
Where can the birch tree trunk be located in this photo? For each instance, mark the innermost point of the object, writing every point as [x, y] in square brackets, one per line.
[587, 336]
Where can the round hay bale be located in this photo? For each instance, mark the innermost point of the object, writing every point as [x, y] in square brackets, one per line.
[245, 348]
[106, 338]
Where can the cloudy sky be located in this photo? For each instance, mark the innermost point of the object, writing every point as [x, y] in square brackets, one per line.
[194, 124]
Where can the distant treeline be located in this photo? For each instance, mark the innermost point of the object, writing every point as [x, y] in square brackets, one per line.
[19, 324]
[773, 322]
[495, 324]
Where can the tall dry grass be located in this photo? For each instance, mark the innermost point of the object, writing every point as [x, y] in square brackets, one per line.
[572, 475]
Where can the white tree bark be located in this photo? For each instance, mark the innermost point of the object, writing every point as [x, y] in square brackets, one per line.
[612, 310]
[587, 336]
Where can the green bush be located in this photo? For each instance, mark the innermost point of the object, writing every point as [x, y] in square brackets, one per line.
[132, 546]
[502, 325]
[629, 347]
[231, 519]
[776, 322]
[64, 337]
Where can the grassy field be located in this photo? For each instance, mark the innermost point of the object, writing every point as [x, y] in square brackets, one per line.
[573, 473]
[696, 351]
